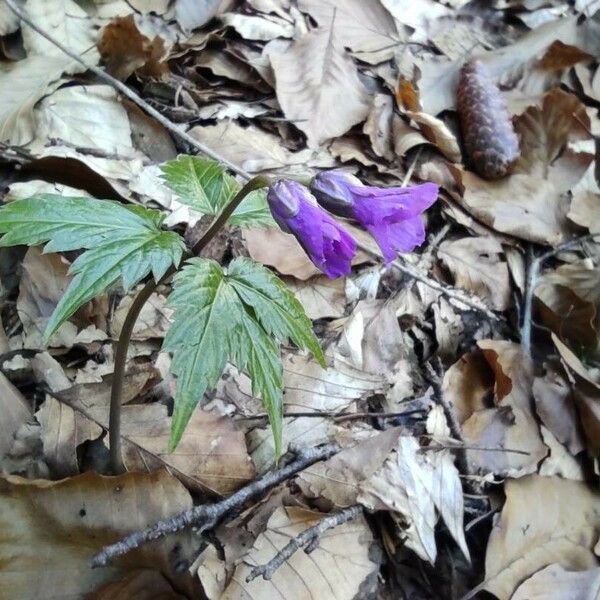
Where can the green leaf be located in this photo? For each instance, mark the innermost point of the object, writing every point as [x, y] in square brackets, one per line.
[238, 315]
[204, 185]
[121, 242]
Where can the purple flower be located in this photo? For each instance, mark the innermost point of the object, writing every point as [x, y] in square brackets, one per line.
[391, 215]
[325, 241]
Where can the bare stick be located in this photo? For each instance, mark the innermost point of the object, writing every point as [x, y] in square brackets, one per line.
[308, 540]
[453, 293]
[533, 275]
[206, 516]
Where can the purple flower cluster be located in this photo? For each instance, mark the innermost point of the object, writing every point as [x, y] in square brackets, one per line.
[391, 215]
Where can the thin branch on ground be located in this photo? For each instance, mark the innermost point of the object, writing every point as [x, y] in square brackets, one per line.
[533, 274]
[448, 291]
[308, 540]
[207, 516]
[336, 416]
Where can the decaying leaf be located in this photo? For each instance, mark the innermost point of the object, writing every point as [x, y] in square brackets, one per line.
[320, 297]
[125, 50]
[80, 516]
[585, 206]
[310, 75]
[15, 411]
[340, 562]
[491, 390]
[545, 520]
[142, 584]
[476, 264]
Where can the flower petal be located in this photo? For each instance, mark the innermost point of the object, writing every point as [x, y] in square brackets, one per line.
[402, 236]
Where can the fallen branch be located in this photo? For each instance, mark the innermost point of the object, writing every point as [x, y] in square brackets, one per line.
[308, 540]
[448, 291]
[207, 516]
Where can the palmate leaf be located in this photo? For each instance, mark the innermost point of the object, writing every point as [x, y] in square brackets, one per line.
[205, 186]
[122, 243]
[239, 315]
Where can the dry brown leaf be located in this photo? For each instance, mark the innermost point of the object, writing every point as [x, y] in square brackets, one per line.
[51, 530]
[153, 322]
[253, 27]
[191, 14]
[125, 50]
[15, 411]
[532, 203]
[476, 265]
[585, 202]
[586, 392]
[22, 84]
[339, 565]
[414, 484]
[311, 75]
[438, 133]
[280, 250]
[569, 304]
[321, 297]
[545, 520]
[378, 125]
[211, 455]
[255, 150]
[369, 30]
[560, 584]
[491, 391]
[142, 584]
[339, 479]
[555, 405]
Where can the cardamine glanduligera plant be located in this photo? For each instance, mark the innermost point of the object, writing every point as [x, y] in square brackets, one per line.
[241, 313]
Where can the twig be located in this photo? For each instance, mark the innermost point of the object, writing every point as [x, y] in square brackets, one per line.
[533, 274]
[176, 130]
[206, 516]
[336, 416]
[308, 540]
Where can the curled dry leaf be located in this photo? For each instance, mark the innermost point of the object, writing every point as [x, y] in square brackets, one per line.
[125, 50]
[378, 125]
[477, 266]
[81, 515]
[438, 133]
[491, 391]
[310, 75]
[532, 203]
[339, 565]
[545, 520]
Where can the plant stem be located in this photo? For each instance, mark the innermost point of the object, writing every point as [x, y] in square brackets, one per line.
[116, 392]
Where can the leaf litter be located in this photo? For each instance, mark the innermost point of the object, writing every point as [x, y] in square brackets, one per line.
[473, 454]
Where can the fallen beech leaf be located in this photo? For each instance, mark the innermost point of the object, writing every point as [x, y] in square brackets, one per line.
[369, 30]
[477, 267]
[142, 584]
[559, 584]
[252, 27]
[15, 411]
[438, 133]
[211, 455]
[125, 50]
[585, 207]
[532, 202]
[321, 297]
[310, 75]
[586, 393]
[569, 304]
[544, 520]
[340, 561]
[80, 515]
[491, 391]
[378, 125]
